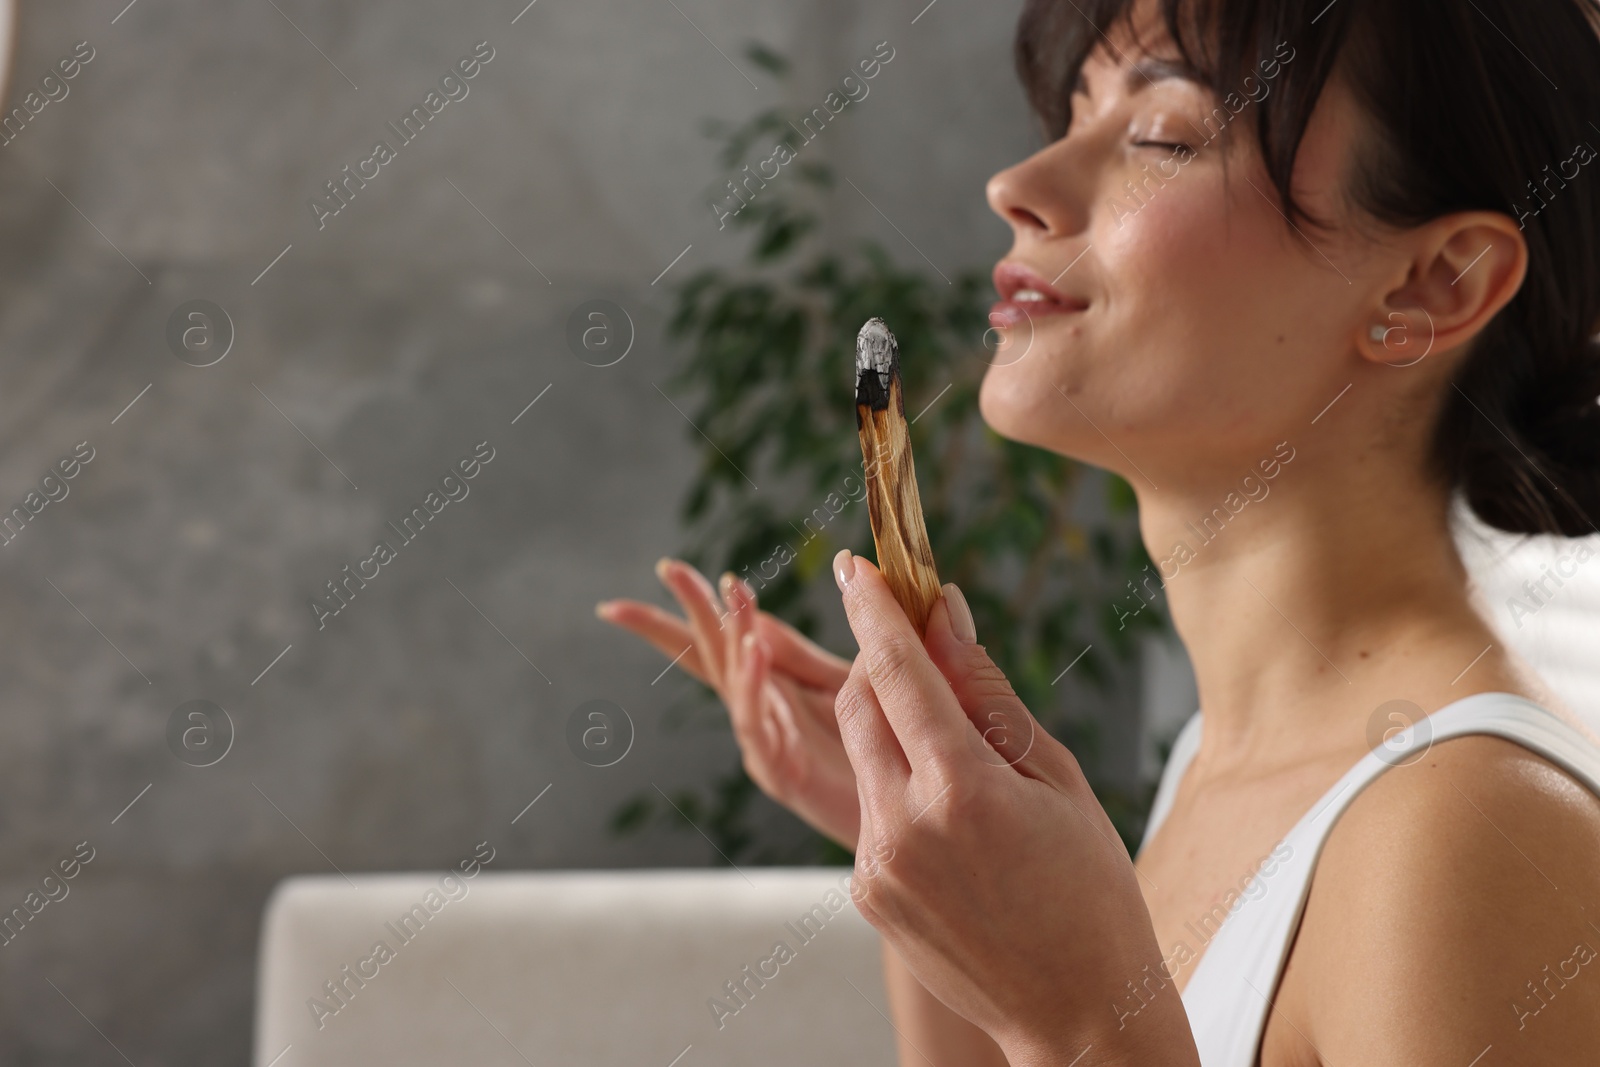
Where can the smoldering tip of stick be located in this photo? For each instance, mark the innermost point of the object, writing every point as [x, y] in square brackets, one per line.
[877, 364]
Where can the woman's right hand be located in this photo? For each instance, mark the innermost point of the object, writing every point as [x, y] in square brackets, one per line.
[778, 685]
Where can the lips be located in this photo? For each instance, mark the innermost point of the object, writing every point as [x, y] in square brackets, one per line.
[1025, 295]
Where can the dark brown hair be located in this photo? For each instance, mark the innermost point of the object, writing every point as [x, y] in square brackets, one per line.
[1481, 106]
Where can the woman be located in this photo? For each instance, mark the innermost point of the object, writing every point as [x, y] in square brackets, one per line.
[1360, 235]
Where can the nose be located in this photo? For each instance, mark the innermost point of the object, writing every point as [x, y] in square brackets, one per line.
[1040, 196]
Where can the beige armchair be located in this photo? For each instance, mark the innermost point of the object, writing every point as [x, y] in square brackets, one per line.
[682, 968]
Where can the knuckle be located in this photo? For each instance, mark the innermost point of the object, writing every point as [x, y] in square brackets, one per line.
[931, 811]
[889, 663]
[1008, 729]
[866, 885]
[981, 677]
[1070, 764]
[851, 702]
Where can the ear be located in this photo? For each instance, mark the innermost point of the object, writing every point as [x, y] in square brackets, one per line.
[1462, 269]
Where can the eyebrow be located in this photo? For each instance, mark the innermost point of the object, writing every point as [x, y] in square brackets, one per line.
[1152, 69]
[1147, 72]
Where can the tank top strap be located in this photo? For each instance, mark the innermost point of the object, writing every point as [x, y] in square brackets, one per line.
[1227, 997]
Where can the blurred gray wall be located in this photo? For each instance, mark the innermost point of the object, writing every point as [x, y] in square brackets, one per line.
[368, 359]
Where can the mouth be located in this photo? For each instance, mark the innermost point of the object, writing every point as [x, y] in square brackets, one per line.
[1025, 295]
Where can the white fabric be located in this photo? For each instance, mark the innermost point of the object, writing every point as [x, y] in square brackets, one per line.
[599, 968]
[1542, 594]
[1226, 1014]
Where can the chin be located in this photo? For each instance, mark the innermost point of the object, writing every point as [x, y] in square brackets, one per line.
[1020, 403]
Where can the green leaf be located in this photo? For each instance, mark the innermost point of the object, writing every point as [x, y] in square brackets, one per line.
[632, 815]
[766, 59]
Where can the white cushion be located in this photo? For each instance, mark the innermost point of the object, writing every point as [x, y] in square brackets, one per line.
[571, 968]
[1542, 594]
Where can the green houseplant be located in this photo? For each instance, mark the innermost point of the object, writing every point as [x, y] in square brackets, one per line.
[770, 357]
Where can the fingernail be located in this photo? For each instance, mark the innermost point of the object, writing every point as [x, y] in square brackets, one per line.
[725, 585]
[844, 568]
[602, 607]
[961, 623]
[661, 567]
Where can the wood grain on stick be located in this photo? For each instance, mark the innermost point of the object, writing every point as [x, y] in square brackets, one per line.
[898, 531]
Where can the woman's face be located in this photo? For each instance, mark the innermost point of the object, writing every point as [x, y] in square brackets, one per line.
[1197, 329]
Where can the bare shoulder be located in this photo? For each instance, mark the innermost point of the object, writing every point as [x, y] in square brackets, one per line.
[1456, 906]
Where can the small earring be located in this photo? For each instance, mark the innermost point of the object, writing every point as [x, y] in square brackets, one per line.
[1379, 333]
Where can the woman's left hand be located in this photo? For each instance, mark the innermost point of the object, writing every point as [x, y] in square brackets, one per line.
[984, 858]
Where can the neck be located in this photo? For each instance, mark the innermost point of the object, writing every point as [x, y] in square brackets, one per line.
[1308, 599]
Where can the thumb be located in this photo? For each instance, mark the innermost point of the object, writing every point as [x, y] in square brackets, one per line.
[1007, 732]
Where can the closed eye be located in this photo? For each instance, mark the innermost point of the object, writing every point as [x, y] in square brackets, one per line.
[1176, 147]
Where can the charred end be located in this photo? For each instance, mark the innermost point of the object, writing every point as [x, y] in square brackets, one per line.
[877, 364]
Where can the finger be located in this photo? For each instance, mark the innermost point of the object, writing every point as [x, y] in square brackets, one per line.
[792, 652]
[799, 657]
[801, 712]
[781, 697]
[870, 745]
[738, 618]
[668, 633]
[771, 705]
[984, 693]
[753, 727]
[700, 604]
[740, 664]
[916, 700]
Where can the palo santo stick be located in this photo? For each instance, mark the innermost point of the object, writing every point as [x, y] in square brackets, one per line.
[893, 504]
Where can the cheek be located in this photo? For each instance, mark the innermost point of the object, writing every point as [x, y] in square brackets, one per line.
[1174, 263]
[1200, 287]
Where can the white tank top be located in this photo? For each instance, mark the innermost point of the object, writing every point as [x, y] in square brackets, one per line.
[1250, 947]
